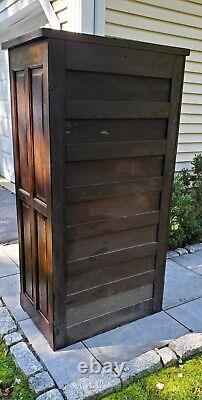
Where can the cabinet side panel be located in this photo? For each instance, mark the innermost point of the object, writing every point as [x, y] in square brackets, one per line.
[168, 174]
[119, 165]
[22, 129]
[57, 103]
[29, 85]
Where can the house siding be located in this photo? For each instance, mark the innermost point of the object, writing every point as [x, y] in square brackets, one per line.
[6, 148]
[173, 23]
[62, 11]
[20, 25]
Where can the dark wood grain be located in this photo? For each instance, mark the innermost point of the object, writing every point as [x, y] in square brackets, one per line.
[110, 320]
[110, 258]
[113, 189]
[169, 168]
[107, 304]
[106, 290]
[106, 274]
[114, 60]
[95, 125]
[87, 109]
[106, 130]
[29, 88]
[81, 85]
[121, 169]
[100, 227]
[102, 151]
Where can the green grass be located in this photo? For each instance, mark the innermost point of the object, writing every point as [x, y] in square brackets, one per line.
[187, 386]
[13, 385]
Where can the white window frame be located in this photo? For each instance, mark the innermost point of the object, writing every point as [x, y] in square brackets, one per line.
[87, 16]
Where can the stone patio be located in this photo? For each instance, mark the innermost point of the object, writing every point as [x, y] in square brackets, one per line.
[8, 220]
[181, 314]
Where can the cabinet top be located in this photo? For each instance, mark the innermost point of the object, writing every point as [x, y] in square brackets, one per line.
[45, 33]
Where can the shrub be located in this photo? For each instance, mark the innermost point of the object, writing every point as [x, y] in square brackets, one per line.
[186, 208]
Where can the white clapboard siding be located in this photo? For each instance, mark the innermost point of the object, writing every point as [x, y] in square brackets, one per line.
[61, 9]
[6, 153]
[21, 22]
[172, 23]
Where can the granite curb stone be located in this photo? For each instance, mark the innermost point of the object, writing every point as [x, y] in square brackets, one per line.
[41, 382]
[53, 394]
[95, 386]
[147, 362]
[171, 254]
[7, 324]
[181, 251]
[197, 247]
[13, 338]
[25, 359]
[92, 387]
[168, 357]
[187, 345]
[190, 249]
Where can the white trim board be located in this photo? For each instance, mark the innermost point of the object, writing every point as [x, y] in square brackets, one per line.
[87, 16]
[50, 14]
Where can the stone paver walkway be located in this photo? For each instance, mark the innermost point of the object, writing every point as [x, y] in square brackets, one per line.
[8, 220]
[181, 314]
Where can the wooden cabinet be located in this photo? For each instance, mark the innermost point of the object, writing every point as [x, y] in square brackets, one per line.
[95, 124]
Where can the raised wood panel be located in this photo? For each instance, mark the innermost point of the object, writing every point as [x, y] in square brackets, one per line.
[101, 227]
[42, 267]
[111, 258]
[31, 149]
[111, 242]
[39, 140]
[110, 289]
[112, 87]
[27, 262]
[115, 60]
[113, 189]
[107, 274]
[84, 311]
[106, 150]
[92, 211]
[110, 319]
[121, 169]
[86, 109]
[19, 78]
[32, 53]
[107, 130]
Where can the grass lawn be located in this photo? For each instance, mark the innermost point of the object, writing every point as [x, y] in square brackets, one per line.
[175, 383]
[13, 385]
